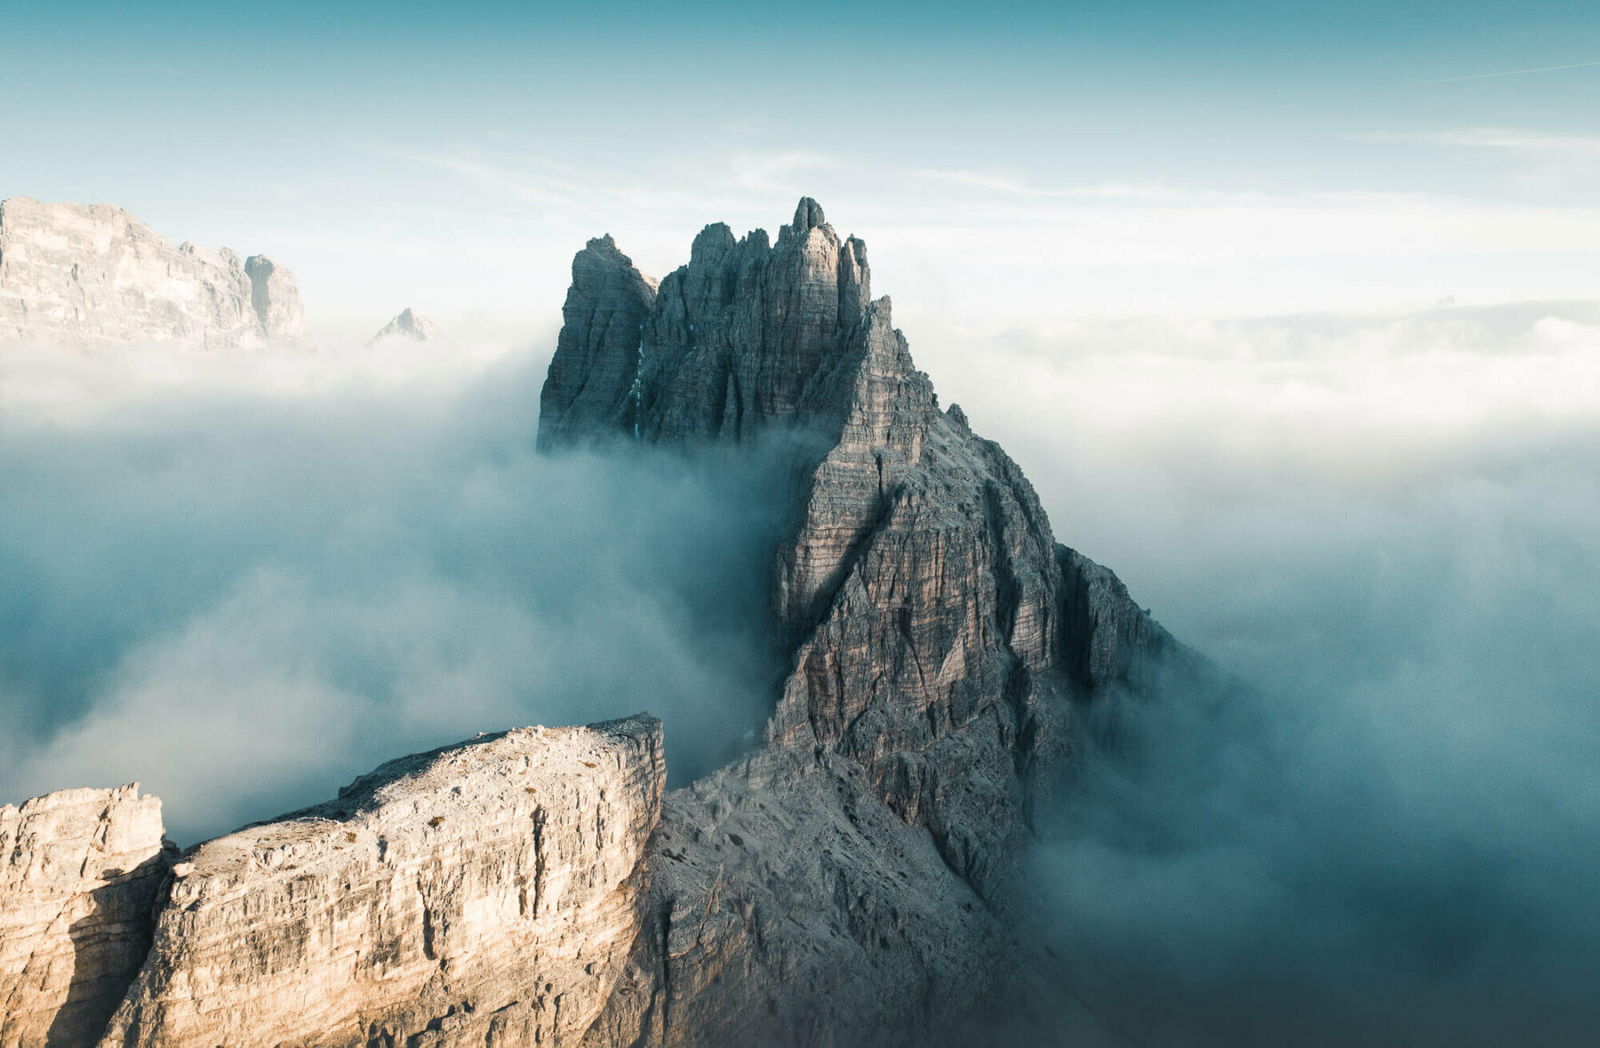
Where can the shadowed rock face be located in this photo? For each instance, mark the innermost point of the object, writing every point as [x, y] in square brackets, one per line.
[79, 874]
[941, 641]
[93, 275]
[481, 894]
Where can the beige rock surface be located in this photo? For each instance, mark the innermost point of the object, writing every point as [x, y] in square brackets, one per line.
[482, 894]
[79, 874]
[92, 275]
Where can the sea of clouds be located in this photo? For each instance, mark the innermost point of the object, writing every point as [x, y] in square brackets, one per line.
[1388, 526]
[242, 580]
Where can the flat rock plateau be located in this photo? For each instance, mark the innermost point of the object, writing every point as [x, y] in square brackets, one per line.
[853, 880]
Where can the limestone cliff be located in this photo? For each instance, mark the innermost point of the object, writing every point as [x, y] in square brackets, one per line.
[93, 275]
[941, 642]
[481, 894]
[79, 875]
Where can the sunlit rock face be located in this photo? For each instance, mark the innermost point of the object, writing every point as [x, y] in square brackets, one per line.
[941, 642]
[80, 871]
[482, 894]
[85, 276]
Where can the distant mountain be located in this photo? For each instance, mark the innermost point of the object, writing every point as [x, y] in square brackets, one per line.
[408, 324]
[93, 275]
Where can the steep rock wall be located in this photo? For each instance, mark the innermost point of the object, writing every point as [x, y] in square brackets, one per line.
[80, 871]
[482, 894]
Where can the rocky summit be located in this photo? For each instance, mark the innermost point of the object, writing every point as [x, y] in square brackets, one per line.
[86, 276]
[851, 880]
[854, 880]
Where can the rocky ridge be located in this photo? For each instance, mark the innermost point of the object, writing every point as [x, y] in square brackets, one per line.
[481, 894]
[86, 276]
[941, 642]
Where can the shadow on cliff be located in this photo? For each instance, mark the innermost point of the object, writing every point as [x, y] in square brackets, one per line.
[112, 939]
[242, 595]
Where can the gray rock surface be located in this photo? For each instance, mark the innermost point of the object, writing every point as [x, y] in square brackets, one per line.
[79, 874]
[85, 276]
[591, 388]
[481, 894]
[408, 324]
[941, 644]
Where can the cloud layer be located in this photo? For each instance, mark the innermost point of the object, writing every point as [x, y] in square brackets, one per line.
[1387, 524]
[244, 581]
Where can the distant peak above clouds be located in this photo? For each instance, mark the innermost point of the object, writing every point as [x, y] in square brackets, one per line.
[92, 275]
[408, 324]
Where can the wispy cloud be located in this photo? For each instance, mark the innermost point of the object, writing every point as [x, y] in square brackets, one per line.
[1511, 72]
[1495, 138]
[1007, 184]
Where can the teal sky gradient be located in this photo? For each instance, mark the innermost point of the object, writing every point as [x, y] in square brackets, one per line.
[365, 141]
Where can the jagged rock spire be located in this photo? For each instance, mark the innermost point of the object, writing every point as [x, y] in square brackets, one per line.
[937, 637]
[736, 340]
[808, 215]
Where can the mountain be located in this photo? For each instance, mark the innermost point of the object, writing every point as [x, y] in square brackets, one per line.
[86, 276]
[855, 878]
[408, 324]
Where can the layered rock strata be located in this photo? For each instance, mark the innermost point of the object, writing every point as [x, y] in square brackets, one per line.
[941, 642]
[481, 894]
[79, 875]
[85, 276]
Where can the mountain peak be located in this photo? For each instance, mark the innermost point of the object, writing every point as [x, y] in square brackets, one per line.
[411, 325]
[808, 215]
[748, 334]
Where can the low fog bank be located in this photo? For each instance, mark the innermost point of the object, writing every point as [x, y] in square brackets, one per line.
[1388, 526]
[243, 580]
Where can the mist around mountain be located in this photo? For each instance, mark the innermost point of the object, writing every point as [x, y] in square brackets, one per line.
[241, 581]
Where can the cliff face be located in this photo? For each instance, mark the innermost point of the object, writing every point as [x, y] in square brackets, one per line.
[941, 642]
[79, 875]
[92, 275]
[482, 894]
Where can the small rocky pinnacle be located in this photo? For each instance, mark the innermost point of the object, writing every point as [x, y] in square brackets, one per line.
[808, 215]
[408, 324]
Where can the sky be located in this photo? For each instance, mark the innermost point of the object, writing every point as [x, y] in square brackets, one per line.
[1291, 314]
[1014, 167]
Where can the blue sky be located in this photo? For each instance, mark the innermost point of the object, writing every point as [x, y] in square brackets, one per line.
[1123, 159]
